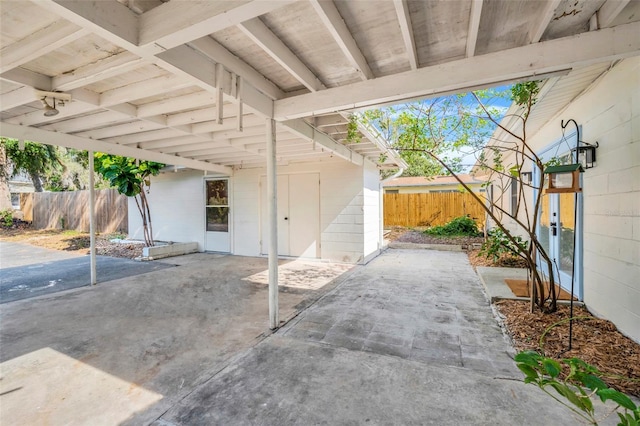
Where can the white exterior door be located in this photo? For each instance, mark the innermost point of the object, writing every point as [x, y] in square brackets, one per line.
[298, 215]
[217, 217]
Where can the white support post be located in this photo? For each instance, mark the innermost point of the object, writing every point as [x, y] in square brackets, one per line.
[219, 92]
[272, 179]
[239, 89]
[92, 218]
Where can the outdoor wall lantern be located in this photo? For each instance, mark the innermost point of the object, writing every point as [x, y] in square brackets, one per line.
[564, 178]
[527, 177]
[586, 154]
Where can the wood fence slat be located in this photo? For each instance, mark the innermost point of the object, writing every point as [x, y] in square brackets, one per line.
[430, 209]
[70, 210]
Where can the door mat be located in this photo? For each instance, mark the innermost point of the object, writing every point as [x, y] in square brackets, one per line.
[520, 288]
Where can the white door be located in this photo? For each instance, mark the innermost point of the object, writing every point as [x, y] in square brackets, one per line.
[217, 229]
[298, 215]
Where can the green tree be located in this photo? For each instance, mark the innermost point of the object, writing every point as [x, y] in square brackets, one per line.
[432, 135]
[37, 160]
[130, 177]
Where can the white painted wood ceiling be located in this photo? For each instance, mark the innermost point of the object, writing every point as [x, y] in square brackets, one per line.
[167, 80]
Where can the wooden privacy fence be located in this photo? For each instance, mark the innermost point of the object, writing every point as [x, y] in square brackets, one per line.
[430, 209]
[70, 210]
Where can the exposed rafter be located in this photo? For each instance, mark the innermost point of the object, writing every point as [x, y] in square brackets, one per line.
[406, 28]
[31, 133]
[465, 74]
[39, 43]
[609, 11]
[474, 27]
[331, 19]
[176, 23]
[547, 14]
[257, 31]
[308, 132]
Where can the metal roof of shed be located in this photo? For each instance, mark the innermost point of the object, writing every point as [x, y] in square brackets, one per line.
[167, 80]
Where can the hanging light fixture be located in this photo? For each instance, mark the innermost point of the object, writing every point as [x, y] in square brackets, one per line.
[586, 154]
[49, 111]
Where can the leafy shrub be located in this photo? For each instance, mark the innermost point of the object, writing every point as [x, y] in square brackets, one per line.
[460, 226]
[497, 244]
[578, 386]
[6, 218]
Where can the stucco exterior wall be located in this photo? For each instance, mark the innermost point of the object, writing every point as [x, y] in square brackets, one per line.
[371, 209]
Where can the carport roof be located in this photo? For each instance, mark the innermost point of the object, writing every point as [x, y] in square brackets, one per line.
[167, 80]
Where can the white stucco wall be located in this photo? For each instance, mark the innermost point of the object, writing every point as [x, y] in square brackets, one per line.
[609, 113]
[349, 209]
[176, 202]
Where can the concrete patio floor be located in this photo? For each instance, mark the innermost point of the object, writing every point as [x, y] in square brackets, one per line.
[407, 339]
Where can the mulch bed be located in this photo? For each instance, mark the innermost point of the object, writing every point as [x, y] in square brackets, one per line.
[595, 340]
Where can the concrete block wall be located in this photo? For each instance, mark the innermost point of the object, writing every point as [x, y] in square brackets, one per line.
[609, 113]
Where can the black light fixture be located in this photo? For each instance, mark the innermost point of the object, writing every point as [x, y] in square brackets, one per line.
[527, 177]
[586, 154]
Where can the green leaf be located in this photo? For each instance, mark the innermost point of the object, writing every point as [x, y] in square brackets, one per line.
[592, 382]
[617, 397]
[552, 367]
[528, 371]
[568, 393]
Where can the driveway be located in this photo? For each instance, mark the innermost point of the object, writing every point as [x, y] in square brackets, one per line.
[407, 339]
[29, 271]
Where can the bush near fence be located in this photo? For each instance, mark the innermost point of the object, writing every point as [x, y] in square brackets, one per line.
[70, 210]
[430, 209]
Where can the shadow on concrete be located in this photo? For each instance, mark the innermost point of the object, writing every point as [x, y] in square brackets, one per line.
[37, 279]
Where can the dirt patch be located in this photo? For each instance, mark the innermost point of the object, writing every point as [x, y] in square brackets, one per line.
[505, 261]
[416, 236]
[72, 241]
[595, 340]
[520, 288]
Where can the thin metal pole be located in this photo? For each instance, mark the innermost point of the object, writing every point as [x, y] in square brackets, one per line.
[92, 218]
[272, 197]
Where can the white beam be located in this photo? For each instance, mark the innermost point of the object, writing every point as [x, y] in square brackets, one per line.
[212, 126]
[150, 135]
[70, 141]
[475, 72]
[110, 20]
[474, 26]
[331, 19]
[176, 23]
[27, 78]
[272, 209]
[121, 129]
[538, 30]
[15, 98]
[92, 218]
[274, 47]
[39, 43]
[142, 89]
[111, 66]
[170, 143]
[178, 103]
[308, 132]
[85, 122]
[219, 53]
[609, 11]
[404, 19]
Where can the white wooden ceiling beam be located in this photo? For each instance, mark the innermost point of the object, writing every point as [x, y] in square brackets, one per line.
[193, 146]
[121, 129]
[212, 126]
[219, 53]
[197, 116]
[111, 66]
[469, 73]
[178, 103]
[135, 138]
[474, 26]
[261, 35]
[143, 89]
[39, 43]
[28, 78]
[117, 24]
[406, 29]
[229, 157]
[101, 118]
[169, 143]
[187, 61]
[110, 20]
[609, 11]
[541, 25]
[176, 23]
[15, 98]
[331, 18]
[69, 141]
[306, 131]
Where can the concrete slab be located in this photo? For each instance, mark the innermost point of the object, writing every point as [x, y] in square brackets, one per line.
[407, 339]
[59, 272]
[16, 254]
[126, 352]
[493, 281]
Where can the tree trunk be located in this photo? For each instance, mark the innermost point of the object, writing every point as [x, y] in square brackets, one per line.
[37, 182]
[5, 194]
